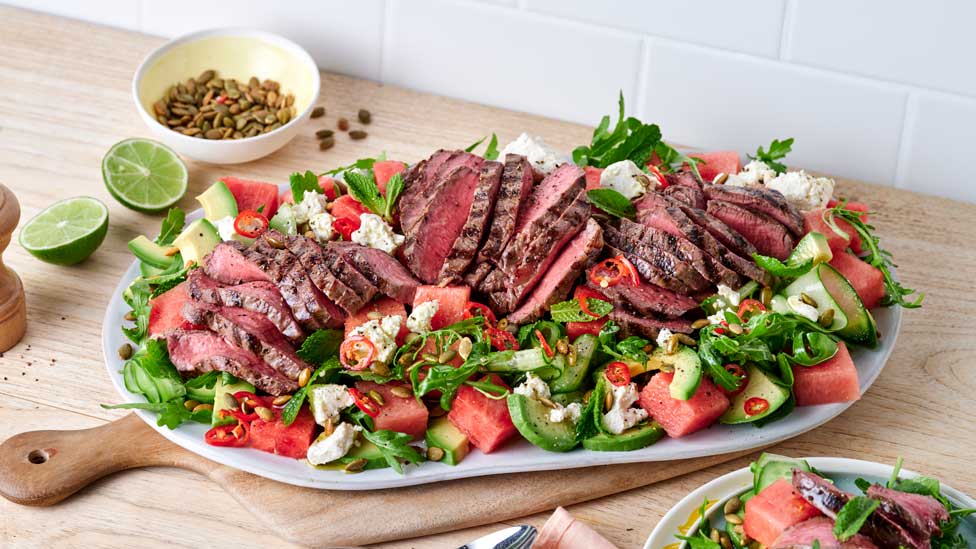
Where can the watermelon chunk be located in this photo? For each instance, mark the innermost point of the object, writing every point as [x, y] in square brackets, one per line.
[717, 162]
[576, 329]
[832, 381]
[486, 422]
[254, 195]
[384, 306]
[166, 311]
[403, 415]
[775, 509]
[452, 301]
[682, 417]
[384, 170]
[277, 438]
[593, 177]
[813, 221]
[868, 280]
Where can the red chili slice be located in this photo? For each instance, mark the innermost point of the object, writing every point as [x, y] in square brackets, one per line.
[749, 308]
[739, 372]
[583, 293]
[357, 353]
[618, 374]
[662, 181]
[473, 309]
[755, 405]
[613, 271]
[233, 436]
[545, 344]
[364, 403]
[501, 340]
[251, 224]
[345, 227]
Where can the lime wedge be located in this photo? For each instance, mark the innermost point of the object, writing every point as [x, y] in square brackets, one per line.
[67, 232]
[144, 175]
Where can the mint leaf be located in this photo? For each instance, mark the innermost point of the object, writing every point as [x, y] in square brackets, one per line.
[612, 202]
[363, 188]
[294, 406]
[491, 152]
[852, 516]
[171, 227]
[777, 151]
[393, 189]
[320, 346]
[302, 182]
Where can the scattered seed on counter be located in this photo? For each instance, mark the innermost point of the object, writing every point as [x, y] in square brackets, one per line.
[318, 112]
[358, 134]
[342, 124]
[322, 134]
[326, 143]
[365, 116]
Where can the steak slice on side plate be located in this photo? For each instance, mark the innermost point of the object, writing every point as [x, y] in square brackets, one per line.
[645, 326]
[380, 268]
[310, 254]
[722, 232]
[478, 215]
[923, 515]
[249, 331]
[259, 296]
[555, 284]
[709, 267]
[430, 240]
[648, 299]
[766, 234]
[764, 201]
[667, 270]
[196, 352]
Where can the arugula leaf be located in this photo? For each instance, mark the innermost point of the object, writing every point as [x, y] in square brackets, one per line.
[852, 516]
[136, 296]
[302, 182]
[491, 152]
[777, 151]
[570, 311]
[673, 160]
[895, 293]
[393, 189]
[362, 187]
[320, 346]
[700, 539]
[612, 202]
[171, 414]
[162, 283]
[171, 227]
[361, 164]
[789, 269]
[395, 447]
[444, 378]
[489, 389]
[294, 406]
[630, 139]
[896, 470]
[473, 146]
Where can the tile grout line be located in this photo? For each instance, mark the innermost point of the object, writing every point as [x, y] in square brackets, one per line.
[905, 140]
[786, 31]
[643, 74]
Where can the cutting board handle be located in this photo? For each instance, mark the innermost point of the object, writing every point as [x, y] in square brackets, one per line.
[44, 467]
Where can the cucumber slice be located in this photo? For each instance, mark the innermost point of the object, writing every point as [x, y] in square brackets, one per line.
[760, 386]
[531, 418]
[527, 360]
[129, 377]
[813, 246]
[777, 467]
[852, 320]
[634, 438]
[145, 383]
[574, 374]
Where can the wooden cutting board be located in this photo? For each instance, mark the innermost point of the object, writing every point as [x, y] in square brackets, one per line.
[44, 467]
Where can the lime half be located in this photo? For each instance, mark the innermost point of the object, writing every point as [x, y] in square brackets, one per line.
[144, 175]
[67, 232]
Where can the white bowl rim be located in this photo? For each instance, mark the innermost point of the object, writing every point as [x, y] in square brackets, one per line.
[289, 45]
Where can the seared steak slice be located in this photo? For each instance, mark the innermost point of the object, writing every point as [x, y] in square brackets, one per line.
[258, 296]
[559, 278]
[818, 531]
[673, 273]
[380, 268]
[249, 331]
[683, 178]
[480, 211]
[764, 201]
[645, 326]
[436, 172]
[768, 236]
[707, 266]
[648, 299]
[923, 515]
[196, 352]
[687, 195]
[417, 182]
[722, 232]
[550, 198]
[513, 193]
[430, 240]
[227, 264]
[309, 253]
[647, 270]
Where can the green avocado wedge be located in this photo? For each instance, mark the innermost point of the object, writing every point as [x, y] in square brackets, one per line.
[744, 408]
[635, 438]
[531, 418]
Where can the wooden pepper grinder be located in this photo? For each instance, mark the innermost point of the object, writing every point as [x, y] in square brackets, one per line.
[13, 306]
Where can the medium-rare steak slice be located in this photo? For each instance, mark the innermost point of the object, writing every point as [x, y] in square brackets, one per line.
[309, 253]
[227, 264]
[647, 270]
[380, 268]
[648, 299]
[645, 326]
[435, 172]
[670, 267]
[196, 352]
[430, 240]
[683, 178]
[249, 331]
[923, 515]
[818, 532]
[764, 201]
[766, 234]
[554, 286]
[722, 232]
[417, 181]
[709, 267]
[550, 198]
[258, 296]
[478, 215]
[687, 195]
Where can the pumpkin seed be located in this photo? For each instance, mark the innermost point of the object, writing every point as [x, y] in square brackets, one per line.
[130, 316]
[826, 319]
[328, 427]
[700, 323]
[264, 413]
[342, 124]
[401, 391]
[125, 351]
[365, 116]
[378, 398]
[672, 345]
[766, 296]
[379, 368]
[586, 396]
[214, 133]
[318, 112]
[721, 179]
[808, 300]
[725, 541]
[191, 404]
[281, 400]
[411, 337]
[548, 403]
[304, 377]
[357, 134]
[435, 454]
[326, 143]
[687, 340]
[562, 346]
[274, 242]
[733, 518]
[714, 535]
[202, 407]
[735, 328]
[322, 134]
[739, 529]
[503, 324]
[571, 356]
[608, 401]
[229, 402]
[206, 76]
[355, 465]
[732, 506]
[464, 348]
[447, 356]
[429, 357]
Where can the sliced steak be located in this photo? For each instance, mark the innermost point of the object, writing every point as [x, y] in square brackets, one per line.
[923, 515]
[764, 201]
[683, 178]
[648, 299]
[228, 264]
[309, 253]
[709, 267]
[550, 198]
[645, 326]
[722, 232]
[249, 331]
[647, 270]
[380, 268]
[435, 173]
[672, 272]
[766, 234]
[555, 285]
[818, 531]
[259, 296]
[690, 196]
[478, 215]
[196, 352]
[416, 183]
[430, 240]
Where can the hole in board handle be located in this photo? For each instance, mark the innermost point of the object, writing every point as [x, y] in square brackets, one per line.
[37, 457]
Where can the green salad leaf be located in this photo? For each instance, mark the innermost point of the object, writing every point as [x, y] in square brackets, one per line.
[789, 269]
[294, 406]
[491, 151]
[630, 139]
[570, 311]
[171, 227]
[852, 516]
[362, 187]
[612, 202]
[473, 146]
[673, 160]
[320, 346]
[395, 447]
[302, 182]
[171, 414]
[137, 296]
[393, 189]
[777, 151]
[361, 164]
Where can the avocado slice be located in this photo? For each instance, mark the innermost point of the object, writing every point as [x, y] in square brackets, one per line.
[567, 398]
[635, 438]
[226, 385]
[444, 435]
[218, 202]
[284, 220]
[687, 370]
[149, 252]
[531, 418]
[365, 450]
[760, 386]
[197, 240]
[574, 374]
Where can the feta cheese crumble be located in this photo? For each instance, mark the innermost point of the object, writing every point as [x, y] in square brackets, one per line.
[799, 307]
[533, 387]
[321, 225]
[326, 401]
[226, 230]
[626, 178]
[329, 448]
[373, 232]
[571, 412]
[312, 203]
[621, 416]
[536, 151]
[421, 315]
[382, 334]
[729, 297]
[663, 336]
[806, 192]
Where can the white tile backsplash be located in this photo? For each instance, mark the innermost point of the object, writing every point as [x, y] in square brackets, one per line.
[873, 89]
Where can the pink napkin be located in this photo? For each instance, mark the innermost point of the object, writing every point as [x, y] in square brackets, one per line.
[562, 531]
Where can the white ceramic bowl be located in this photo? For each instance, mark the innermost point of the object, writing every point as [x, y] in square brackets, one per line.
[233, 53]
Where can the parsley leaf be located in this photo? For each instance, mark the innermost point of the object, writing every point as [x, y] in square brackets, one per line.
[362, 187]
[570, 311]
[612, 202]
[171, 226]
[395, 447]
[852, 516]
[302, 182]
[393, 189]
[777, 151]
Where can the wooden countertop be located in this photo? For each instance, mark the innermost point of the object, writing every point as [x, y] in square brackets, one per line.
[67, 99]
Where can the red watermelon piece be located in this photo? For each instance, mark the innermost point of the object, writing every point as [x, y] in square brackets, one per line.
[775, 509]
[832, 381]
[486, 422]
[868, 280]
[452, 301]
[853, 206]
[403, 415]
[813, 221]
[717, 162]
[576, 329]
[253, 195]
[277, 438]
[384, 170]
[593, 177]
[384, 306]
[682, 417]
[165, 311]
